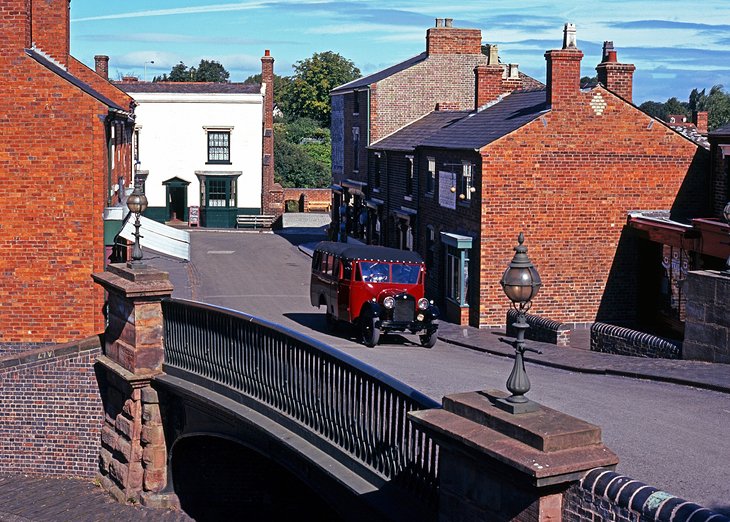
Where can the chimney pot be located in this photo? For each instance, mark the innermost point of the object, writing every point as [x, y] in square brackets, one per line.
[448, 22]
[611, 57]
[607, 46]
[267, 52]
[513, 71]
[569, 37]
[493, 56]
[439, 22]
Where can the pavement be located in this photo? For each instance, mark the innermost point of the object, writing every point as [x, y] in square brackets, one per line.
[578, 357]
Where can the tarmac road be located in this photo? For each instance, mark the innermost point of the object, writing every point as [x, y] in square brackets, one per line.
[673, 437]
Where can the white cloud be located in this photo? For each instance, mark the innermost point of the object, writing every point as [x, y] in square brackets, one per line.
[218, 8]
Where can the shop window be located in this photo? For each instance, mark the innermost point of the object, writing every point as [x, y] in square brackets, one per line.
[456, 267]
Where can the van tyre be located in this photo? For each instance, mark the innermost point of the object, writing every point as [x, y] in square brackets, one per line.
[330, 321]
[370, 333]
[428, 340]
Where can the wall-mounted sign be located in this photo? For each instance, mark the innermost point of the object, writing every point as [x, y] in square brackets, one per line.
[447, 189]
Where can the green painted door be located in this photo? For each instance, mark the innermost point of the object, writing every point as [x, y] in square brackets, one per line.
[219, 210]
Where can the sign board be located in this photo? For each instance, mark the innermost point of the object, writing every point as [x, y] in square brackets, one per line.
[447, 197]
[159, 237]
[194, 216]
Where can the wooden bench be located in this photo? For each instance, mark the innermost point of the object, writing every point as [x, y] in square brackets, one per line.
[254, 220]
[318, 206]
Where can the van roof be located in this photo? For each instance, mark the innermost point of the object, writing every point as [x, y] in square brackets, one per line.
[368, 252]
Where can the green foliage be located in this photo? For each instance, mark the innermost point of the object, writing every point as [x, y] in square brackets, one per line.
[308, 93]
[587, 82]
[207, 71]
[302, 154]
[716, 103]
[280, 85]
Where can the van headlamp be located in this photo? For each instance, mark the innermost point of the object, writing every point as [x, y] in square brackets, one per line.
[422, 303]
[389, 302]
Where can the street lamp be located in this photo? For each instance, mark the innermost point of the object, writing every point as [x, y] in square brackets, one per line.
[726, 215]
[145, 69]
[137, 203]
[520, 282]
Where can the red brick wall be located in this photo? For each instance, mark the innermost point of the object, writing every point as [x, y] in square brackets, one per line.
[50, 28]
[617, 78]
[568, 180]
[314, 200]
[449, 40]
[52, 196]
[563, 75]
[272, 201]
[14, 27]
[89, 76]
[51, 411]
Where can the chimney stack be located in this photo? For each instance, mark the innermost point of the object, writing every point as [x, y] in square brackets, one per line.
[267, 181]
[614, 76]
[699, 118]
[446, 39]
[101, 65]
[50, 28]
[563, 70]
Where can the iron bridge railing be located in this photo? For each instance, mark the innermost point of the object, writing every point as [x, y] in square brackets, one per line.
[349, 403]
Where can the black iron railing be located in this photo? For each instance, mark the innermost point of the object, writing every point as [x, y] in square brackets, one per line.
[351, 404]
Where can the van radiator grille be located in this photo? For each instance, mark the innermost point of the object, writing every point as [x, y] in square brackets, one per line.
[404, 308]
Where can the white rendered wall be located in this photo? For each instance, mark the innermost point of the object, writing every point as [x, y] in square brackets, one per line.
[173, 141]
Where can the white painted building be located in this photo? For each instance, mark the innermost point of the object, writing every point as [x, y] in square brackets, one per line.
[199, 145]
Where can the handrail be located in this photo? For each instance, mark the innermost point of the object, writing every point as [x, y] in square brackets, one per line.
[354, 406]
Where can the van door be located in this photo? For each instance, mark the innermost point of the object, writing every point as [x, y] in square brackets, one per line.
[343, 290]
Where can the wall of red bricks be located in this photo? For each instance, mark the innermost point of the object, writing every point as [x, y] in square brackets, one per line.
[53, 184]
[51, 411]
[568, 180]
[312, 200]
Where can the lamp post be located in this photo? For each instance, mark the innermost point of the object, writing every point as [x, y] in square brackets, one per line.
[726, 215]
[520, 282]
[137, 203]
[145, 68]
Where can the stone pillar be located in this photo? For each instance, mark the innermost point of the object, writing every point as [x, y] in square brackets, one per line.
[497, 466]
[133, 459]
[707, 325]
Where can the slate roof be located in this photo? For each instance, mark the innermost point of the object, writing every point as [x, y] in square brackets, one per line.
[409, 137]
[721, 131]
[48, 64]
[380, 75]
[190, 87]
[690, 132]
[491, 123]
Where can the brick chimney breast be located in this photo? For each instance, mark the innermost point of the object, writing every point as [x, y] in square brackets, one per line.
[614, 76]
[699, 118]
[563, 71]
[446, 39]
[101, 65]
[50, 28]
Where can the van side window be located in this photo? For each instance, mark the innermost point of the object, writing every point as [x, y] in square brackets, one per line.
[316, 260]
[330, 264]
[336, 268]
[347, 270]
[323, 263]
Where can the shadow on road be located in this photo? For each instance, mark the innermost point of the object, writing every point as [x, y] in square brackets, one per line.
[299, 236]
[317, 321]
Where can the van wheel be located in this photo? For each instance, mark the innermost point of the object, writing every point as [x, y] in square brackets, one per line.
[429, 339]
[370, 334]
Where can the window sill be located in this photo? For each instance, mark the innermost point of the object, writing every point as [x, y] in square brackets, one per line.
[376, 190]
[408, 198]
[218, 163]
[457, 303]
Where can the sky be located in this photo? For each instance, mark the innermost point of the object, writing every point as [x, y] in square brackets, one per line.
[676, 45]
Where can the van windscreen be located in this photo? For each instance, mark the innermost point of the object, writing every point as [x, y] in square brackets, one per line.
[378, 272]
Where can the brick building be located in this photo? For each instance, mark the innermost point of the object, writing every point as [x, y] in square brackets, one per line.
[563, 164]
[370, 108]
[65, 156]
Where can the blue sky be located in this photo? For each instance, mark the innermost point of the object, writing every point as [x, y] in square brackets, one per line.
[676, 45]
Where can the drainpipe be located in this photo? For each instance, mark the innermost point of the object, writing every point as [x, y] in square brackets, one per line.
[109, 145]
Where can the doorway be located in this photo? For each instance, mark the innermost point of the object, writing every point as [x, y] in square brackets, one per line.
[176, 199]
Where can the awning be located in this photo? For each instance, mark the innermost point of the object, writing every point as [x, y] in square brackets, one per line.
[456, 240]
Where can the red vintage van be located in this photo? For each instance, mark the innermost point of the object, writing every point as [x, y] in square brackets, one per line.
[377, 289]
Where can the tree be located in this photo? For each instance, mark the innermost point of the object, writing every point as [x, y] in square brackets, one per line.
[302, 154]
[308, 93]
[211, 71]
[716, 103]
[207, 71]
[280, 85]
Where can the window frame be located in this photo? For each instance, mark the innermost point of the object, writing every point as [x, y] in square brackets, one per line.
[431, 175]
[409, 177]
[210, 133]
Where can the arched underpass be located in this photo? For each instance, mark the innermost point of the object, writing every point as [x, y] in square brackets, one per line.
[218, 479]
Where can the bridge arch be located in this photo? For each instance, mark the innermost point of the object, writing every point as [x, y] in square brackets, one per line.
[216, 478]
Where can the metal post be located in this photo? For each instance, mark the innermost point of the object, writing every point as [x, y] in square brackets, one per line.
[518, 384]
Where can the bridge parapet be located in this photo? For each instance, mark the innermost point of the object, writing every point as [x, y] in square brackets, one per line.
[359, 414]
[133, 455]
